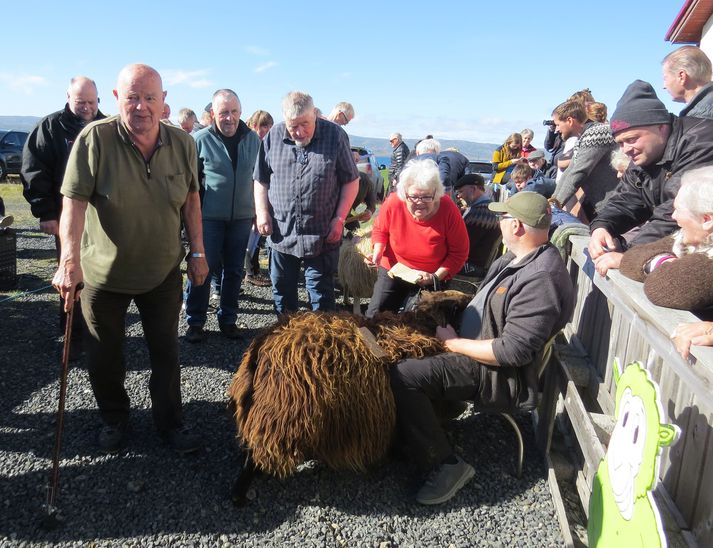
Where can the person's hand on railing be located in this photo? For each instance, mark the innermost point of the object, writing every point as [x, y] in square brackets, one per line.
[602, 242]
[607, 261]
[687, 334]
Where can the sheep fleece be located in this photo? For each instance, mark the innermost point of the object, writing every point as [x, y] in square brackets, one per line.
[310, 387]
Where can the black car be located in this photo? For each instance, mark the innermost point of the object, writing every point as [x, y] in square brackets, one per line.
[481, 168]
[11, 143]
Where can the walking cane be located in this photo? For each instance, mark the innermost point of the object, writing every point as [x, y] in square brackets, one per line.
[51, 520]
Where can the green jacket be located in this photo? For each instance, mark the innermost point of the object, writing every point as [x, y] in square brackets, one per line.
[228, 192]
[131, 239]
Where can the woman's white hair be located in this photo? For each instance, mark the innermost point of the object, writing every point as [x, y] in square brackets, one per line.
[696, 192]
[695, 196]
[420, 175]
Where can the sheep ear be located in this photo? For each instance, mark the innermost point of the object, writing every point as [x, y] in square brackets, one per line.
[668, 434]
[616, 370]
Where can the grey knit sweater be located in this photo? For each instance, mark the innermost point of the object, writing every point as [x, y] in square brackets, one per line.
[590, 169]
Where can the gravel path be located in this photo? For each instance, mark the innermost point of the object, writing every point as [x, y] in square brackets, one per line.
[148, 496]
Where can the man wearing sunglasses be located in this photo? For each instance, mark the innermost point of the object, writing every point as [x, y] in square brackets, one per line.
[526, 298]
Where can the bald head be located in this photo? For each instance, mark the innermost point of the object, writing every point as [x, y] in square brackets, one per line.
[82, 98]
[139, 92]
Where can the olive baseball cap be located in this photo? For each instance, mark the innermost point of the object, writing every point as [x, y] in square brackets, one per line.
[530, 208]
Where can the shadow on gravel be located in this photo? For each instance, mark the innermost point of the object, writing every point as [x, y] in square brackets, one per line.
[148, 490]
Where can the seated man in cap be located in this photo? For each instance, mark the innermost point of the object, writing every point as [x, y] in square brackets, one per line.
[537, 161]
[481, 223]
[661, 147]
[525, 299]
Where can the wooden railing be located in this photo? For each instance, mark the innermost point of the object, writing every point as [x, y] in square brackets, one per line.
[614, 319]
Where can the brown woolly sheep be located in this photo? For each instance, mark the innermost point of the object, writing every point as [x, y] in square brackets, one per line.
[356, 277]
[315, 386]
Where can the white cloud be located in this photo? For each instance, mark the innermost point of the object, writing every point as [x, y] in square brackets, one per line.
[22, 83]
[265, 66]
[256, 50]
[191, 78]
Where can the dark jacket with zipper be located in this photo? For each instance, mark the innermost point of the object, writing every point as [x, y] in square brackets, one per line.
[44, 159]
[528, 305]
[228, 191]
[645, 194]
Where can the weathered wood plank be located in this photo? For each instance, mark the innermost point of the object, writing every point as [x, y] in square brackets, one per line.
[702, 522]
[559, 505]
[689, 480]
[583, 429]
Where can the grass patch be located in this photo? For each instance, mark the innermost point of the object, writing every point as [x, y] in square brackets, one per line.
[15, 203]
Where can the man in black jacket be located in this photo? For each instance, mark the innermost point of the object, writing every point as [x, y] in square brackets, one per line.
[661, 147]
[457, 164]
[525, 299]
[398, 158]
[44, 159]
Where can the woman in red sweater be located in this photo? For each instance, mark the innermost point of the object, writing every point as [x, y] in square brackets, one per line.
[419, 227]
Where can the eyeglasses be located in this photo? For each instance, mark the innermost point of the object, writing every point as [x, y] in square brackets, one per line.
[503, 216]
[346, 120]
[423, 199]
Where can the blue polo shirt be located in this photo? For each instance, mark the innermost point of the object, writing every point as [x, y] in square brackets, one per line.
[304, 184]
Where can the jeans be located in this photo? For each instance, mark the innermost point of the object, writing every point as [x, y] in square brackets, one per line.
[105, 314]
[319, 280]
[225, 243]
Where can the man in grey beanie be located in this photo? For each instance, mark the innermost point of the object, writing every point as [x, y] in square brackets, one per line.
[662, 147]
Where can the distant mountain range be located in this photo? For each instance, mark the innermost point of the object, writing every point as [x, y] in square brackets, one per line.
[21, 123]
[380, 147]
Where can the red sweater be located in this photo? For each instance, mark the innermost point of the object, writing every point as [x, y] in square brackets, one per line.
[442, 240]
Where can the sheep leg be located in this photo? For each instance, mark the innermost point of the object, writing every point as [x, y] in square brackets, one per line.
[356, 307]
[238, 493]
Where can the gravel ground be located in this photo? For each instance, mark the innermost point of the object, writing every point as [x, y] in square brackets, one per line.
[148, 496]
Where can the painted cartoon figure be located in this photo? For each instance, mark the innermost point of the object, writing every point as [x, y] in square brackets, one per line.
[622, 510]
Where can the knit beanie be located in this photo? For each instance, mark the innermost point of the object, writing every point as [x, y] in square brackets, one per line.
[639, 106]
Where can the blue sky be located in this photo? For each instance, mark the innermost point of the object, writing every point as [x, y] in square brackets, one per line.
[459, 70]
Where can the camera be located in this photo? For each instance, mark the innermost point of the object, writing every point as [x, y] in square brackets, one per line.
[550, 123]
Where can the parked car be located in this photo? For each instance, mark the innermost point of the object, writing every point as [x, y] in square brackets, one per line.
[483, 168]
[11, 143]
[367, 164]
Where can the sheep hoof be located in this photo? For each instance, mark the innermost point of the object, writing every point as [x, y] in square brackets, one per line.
[239, 491]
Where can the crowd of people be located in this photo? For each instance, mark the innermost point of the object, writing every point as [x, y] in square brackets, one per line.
[118, 192]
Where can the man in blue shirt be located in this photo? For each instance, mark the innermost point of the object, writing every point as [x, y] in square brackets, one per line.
[305, 183]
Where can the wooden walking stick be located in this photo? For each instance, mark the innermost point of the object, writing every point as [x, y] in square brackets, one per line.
[50, 519]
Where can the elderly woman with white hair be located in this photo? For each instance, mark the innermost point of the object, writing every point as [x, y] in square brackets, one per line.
[677, 270]
[419, 227]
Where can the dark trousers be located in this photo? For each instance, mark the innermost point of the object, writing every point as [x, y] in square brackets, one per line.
[420, 386]
[105, 314]
[78, 325]
[389, 293]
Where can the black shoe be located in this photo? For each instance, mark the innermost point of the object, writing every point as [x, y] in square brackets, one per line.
[182, 440]
[195, 334]
[111, 437]
[230, 331]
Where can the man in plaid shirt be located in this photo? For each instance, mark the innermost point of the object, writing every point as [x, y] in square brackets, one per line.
[305, 183]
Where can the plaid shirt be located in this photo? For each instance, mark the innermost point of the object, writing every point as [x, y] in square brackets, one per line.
[304, 184]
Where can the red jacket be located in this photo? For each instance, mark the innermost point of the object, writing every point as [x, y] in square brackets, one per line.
[442, 240]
